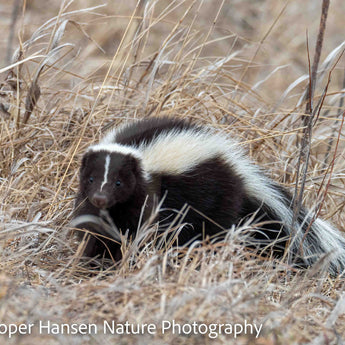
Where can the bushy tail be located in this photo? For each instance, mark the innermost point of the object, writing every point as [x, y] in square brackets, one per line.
[316, 239]
[310, 239]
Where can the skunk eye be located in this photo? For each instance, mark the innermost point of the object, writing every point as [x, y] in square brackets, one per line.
[118, 183]
[91, 179]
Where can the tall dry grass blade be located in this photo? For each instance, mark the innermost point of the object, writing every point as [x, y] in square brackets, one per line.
[308, 120]
[317, 55]
[34, 90]
[332, 136]
[34, 93]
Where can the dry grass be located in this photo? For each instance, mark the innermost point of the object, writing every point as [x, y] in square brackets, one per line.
[237, 66]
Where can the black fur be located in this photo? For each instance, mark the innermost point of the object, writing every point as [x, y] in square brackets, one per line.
[150, 128]
[215, 196]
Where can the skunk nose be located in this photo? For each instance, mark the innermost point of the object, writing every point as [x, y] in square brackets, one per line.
[99, 200]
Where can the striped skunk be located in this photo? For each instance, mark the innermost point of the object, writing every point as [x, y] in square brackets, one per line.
[182, 163]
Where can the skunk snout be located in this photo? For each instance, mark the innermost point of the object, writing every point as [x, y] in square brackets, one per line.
[100, 200]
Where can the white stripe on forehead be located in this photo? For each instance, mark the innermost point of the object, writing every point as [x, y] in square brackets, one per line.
[116, 148]
[106, 171]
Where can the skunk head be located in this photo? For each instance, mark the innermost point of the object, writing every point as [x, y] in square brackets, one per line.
[108, 178]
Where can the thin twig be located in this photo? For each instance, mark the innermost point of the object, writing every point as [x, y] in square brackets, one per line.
[308, 118]
[318, 49]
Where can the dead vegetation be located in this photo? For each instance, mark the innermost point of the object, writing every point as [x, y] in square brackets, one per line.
[239, 66]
